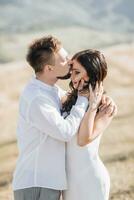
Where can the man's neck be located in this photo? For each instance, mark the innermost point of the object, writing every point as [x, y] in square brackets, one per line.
[46, 80]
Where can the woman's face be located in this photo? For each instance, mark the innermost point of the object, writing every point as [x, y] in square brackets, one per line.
[78, 73]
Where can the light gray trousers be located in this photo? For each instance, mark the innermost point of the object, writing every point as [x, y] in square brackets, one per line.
[37, 193]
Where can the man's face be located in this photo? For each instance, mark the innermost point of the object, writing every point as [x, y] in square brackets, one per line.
[62, 69]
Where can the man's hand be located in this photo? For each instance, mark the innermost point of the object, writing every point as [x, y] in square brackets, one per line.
[105, 114]
[108, 106]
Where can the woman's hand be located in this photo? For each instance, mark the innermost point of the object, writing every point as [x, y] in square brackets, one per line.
[82, 92]
[95, 96]
[106, 113]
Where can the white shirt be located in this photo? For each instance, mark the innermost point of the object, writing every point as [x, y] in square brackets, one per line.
[42, 133]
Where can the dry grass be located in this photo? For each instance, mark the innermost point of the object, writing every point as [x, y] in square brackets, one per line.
[117, 144]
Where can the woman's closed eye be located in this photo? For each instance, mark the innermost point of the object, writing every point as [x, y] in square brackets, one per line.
[76, 72]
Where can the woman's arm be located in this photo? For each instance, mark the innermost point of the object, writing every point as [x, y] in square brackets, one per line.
[86, 128]
[98, 123]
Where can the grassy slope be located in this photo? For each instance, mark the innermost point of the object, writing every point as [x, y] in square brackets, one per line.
[117, 143]
[74, 38]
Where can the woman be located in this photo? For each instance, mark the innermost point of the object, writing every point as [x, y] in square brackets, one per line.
[88, 178]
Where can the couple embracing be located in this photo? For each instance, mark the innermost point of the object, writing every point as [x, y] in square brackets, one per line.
[59, 132]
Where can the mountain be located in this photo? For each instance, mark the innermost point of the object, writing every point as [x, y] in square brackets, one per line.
[31, 15]
[79, 24]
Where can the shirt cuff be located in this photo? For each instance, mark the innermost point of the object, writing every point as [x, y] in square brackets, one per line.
[82, 102]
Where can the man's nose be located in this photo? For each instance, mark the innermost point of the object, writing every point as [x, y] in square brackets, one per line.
[68, 58]
[69, 62]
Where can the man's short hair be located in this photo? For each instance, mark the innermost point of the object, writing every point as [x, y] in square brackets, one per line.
[42, 52]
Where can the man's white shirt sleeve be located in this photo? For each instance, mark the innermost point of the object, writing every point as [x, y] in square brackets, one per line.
[46, 118]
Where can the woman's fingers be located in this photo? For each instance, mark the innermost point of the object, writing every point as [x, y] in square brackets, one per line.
[106, 105]
[106, 101]
[96, 87]
[114, 111]
[99, 89]
[95, 95]
[106, 109]
[109, 110]
[81, 84]
[90, 88]
[102, 107]
[103, 100]
[81, 91]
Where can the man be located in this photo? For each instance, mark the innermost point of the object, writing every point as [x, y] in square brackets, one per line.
[42, 131]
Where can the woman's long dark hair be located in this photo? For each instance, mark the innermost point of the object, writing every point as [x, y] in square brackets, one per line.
[95, 65]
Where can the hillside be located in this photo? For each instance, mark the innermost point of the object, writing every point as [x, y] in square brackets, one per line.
[117, 149]
[32, 15]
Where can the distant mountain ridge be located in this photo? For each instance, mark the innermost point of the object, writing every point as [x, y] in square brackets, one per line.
[34, 15]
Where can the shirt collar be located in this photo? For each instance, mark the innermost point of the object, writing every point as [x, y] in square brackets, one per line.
[43, 85]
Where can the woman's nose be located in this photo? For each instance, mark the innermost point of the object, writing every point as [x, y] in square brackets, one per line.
[73, 77]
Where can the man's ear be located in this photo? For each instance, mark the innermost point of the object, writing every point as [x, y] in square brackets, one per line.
[49, 68]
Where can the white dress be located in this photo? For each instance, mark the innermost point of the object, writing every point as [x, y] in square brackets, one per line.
[87, 176]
